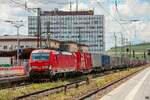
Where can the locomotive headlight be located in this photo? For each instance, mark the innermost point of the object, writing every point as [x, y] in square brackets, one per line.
[45, 67]
[35, 67]
[30, 68]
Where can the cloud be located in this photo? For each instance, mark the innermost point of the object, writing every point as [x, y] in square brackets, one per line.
[81, 7]
[128, 9]
[133, 8]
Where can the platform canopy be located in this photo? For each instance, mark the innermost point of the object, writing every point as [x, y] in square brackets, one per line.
[24, 55]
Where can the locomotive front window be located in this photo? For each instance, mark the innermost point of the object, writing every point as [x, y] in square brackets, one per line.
[40, 56]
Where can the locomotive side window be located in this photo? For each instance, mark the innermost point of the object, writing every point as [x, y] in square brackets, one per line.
[40, 56]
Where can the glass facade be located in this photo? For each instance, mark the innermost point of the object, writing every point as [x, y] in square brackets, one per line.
[85, 29]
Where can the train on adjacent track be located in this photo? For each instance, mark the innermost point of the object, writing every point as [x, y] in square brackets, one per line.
[51, 62]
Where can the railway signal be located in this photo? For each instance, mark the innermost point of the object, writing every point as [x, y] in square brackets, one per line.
[133, 54]
[148, 52]
[127, 49]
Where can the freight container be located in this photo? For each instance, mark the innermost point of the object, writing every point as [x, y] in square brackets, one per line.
[96, 60]
[105, 60]
[115, 61]
[100, 61]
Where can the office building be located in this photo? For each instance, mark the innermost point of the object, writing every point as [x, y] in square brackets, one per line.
[79, 26]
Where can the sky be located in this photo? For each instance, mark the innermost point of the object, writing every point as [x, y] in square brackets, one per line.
[118, 15]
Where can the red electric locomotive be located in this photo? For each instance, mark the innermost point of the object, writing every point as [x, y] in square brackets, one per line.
[50, 62]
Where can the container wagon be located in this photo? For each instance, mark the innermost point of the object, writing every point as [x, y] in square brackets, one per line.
[100, 61]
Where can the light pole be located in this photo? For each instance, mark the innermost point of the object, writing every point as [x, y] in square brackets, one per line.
[79, 37]
[38, 11]
[18, 26]
[18, 42]
[39, 43]
[48, 33]
[115, 44]
[122, 47]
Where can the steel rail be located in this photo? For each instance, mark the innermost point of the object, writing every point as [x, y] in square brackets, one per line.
[10, 82]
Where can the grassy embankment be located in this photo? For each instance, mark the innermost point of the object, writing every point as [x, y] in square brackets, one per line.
[139, 50]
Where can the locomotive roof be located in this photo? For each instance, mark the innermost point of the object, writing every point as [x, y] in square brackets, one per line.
[42, 50]
[48, 51]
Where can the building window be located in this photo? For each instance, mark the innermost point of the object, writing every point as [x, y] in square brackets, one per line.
[95, 22]
[5, 47]
[27, 46]
[21, 46]
[16, 46]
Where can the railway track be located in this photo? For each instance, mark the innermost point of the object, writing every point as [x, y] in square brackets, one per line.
[76, 84]
[10, 82]
[61, 88]
[14, 82]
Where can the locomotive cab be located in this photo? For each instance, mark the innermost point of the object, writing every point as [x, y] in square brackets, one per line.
[40, 62]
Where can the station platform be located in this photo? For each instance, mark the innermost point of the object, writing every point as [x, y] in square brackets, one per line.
[136, 88]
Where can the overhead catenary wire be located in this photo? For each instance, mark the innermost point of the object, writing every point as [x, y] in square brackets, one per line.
[118, 13]
[18, 4]
[116, 20]
[25, 6]
[117, 10]
[50, 2]
[40, 1]
[110, 15]
[114, 17]
[59, 4]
